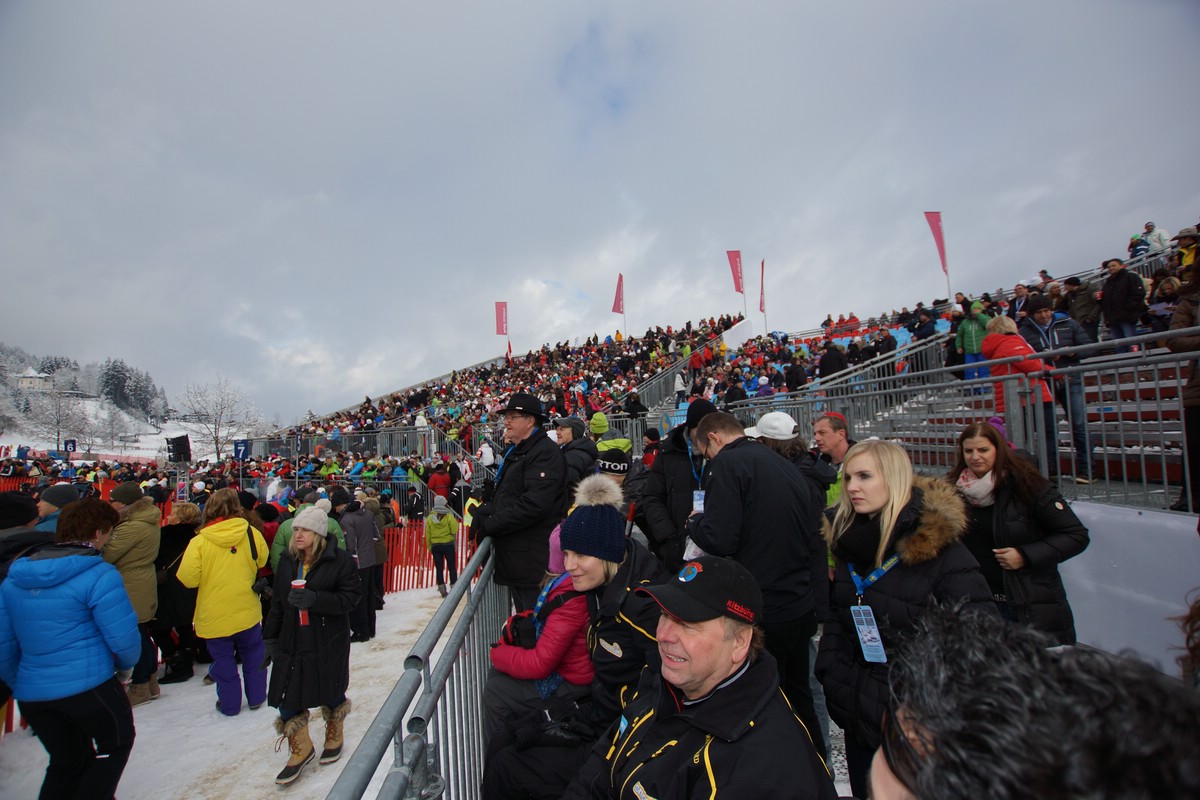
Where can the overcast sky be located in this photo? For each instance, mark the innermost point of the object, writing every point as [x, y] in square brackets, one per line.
[321, 201]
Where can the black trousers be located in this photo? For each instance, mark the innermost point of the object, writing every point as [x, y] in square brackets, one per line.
[538, 773]
[1191, 432]
[362, 616]
[788, 642]
[67, 728]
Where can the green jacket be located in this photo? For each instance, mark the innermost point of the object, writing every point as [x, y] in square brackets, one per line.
[440, 529]
[132, 550]
[971, 331]
[283, 536]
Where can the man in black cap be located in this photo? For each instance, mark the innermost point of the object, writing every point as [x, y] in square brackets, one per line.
[526, 502]
[670, 490]
[715, 717]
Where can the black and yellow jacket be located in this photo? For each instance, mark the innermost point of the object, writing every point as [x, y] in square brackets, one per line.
[741, 741]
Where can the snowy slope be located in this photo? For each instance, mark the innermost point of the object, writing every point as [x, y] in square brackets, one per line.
[185, 748]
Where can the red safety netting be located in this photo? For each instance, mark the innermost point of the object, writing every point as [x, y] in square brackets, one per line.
[409, 565]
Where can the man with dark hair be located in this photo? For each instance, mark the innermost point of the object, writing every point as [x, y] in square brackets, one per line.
[579, 452]
[674, 479]
[1016, 306]
[981, 708]
[1080, 305]
[526, 503]
[714, 721]
[757, 510]
[831, 436]
[1122, 301]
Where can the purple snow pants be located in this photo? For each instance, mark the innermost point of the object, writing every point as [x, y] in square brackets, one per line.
[249, 645]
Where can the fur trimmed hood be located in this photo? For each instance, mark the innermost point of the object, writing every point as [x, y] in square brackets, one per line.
[934, 518]
[597, 490]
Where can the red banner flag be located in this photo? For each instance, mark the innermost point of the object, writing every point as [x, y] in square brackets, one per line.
[619, 300]
[735, 264]
[501, 318]
[762, 284]
[934, 218]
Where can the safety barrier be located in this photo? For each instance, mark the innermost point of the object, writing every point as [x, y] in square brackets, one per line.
[433, 716]
[409, 564]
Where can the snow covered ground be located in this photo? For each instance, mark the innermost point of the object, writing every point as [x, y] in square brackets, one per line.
[185, 748]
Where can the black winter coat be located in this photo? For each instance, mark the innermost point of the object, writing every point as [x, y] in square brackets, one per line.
[934, 566]
[176, 602]
[526, 505]
[312, 662]
[1064, 332]
[832, 362]
[361, 532]
[759, 510]
[1123, 297]
[743, 741]
[580, 457]
[620, 635]
[1047, 532]
[667, 499]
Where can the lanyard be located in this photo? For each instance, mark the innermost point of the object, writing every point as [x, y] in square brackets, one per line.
[691, 459]
[861, 584]
[504, 458]
[537, 623]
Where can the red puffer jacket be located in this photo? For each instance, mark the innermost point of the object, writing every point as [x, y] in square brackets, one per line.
[561, 648]
[1003, 345]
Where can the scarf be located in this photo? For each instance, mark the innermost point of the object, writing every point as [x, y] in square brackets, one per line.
[979, 492]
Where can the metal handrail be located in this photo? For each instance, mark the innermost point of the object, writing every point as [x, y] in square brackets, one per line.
[385, 728]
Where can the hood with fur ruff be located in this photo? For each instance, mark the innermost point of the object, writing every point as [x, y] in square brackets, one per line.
[597, 490]
[934, 518]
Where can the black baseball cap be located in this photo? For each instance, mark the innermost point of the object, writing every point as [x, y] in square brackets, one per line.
[707, 588]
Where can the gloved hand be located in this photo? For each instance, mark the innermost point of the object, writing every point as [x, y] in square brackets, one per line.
[568, 732]
[268, 653]
[479, 520]
[302, 598]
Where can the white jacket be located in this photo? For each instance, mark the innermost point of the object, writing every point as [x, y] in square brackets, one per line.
[1158, 240]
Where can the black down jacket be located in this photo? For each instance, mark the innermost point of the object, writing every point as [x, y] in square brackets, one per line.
[312, 662]
[667, 499]
[1047, 532]
[934, 567]
[526, 505]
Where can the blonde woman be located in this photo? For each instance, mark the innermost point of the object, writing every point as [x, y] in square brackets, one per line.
[222, 564]
[895, 539]
[308, 638]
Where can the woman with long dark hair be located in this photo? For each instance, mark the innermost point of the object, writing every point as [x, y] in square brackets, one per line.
[1020, 528]
[895, 538]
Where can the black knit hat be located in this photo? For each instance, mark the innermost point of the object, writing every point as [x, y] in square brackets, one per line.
[247, 500]
[1036, 303]
[339, 497]
[613, 461]
[596, 527]
[16, 509]
[698, 410]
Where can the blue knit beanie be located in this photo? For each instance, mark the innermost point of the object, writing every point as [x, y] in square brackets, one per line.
[595, 531]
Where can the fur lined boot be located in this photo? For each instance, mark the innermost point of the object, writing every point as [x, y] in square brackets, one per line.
[295, 731]
[442, 589]
[334, 734]
[155, 692]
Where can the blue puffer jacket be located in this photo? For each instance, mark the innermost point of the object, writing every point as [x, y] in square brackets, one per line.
[66, 623]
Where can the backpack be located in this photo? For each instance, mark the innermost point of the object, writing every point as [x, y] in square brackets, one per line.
[521, 629]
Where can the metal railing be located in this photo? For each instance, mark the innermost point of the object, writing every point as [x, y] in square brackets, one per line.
[433, 717]
[1131, 442]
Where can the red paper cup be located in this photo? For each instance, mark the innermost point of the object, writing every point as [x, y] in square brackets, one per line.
[300, 583]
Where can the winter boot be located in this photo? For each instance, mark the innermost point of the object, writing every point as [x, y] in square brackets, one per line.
[155, 692]
[295, 731]
[333, 731]
[442, 589]
[179, 669]
[138, 693]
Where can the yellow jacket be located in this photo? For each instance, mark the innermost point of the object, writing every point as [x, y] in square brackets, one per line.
[218, 562]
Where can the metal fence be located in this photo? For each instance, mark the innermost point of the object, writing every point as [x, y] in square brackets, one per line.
[432, 719]
[1124, 435]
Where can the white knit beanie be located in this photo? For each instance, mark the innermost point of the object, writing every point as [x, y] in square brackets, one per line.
[312, 519]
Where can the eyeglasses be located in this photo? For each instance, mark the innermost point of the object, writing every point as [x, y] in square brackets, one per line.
[901, 758]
